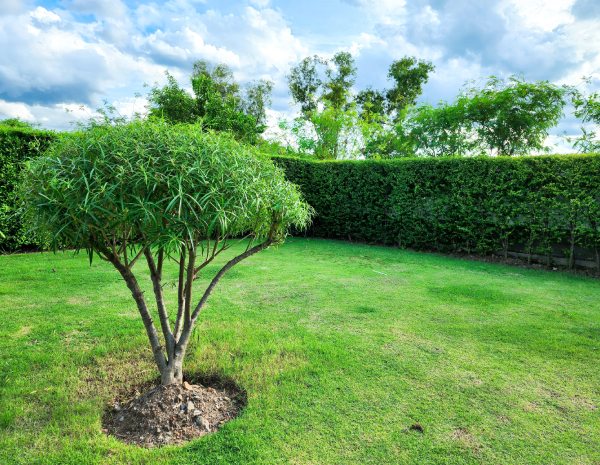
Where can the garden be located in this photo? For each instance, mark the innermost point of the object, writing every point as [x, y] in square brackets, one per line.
[175, 288]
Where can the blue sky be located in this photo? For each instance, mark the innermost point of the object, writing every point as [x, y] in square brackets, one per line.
[61, 55]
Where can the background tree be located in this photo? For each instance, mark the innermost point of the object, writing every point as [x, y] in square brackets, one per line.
[305, 83]
[587, 109]
[383, 112]
[408, 75]
[258, 100]
[437, 131]
[323, 89]
[173, 103]
[504, 117]
[512, 117]
[371, 105]
[341, 75]
[218, 102]
[151, 191]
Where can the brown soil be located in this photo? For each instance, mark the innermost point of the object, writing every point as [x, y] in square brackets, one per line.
[172, 414]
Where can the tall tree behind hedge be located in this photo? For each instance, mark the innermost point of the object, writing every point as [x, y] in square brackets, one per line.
[323, 90]
[219, 102]
[503, 117]
[587, 109]
[333, 118]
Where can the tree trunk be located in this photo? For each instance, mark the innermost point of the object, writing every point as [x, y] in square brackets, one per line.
[173, 372]
[572, 249]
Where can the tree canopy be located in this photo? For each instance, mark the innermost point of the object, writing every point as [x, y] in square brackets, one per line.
[503, 117]
[154, 190]
[335, 121]
[219, 103]
[587, 109]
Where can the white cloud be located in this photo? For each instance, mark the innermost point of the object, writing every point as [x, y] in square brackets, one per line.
[385, 12]
[44, 16]
[260, 3]
[88, 50]
[15, 110]
[542, 15]
[15, 6]
[182, 48]
[59, 116]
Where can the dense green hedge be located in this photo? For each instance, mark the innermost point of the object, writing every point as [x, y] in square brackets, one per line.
[543, 205]
[16, 145]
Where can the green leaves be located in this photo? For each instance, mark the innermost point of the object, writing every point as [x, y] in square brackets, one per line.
[217, 103]
[479, 204]
[18, 142]
[509, 117]
[151, 183]
[587, 108]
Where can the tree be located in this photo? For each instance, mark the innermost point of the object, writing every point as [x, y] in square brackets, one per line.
[172, 103]
[323, 89]
[155, 192]
[218, 102]
[305, 84]
[335, 123]
[437, 131]
[409, 75]
[383, 112]
[587, 109]
[257, 100]
[372, 105]
[341, 77]
[512, 117]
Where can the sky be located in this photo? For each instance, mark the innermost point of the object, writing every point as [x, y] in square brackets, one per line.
[61, 59]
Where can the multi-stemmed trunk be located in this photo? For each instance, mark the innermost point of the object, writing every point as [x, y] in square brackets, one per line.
[169, 351]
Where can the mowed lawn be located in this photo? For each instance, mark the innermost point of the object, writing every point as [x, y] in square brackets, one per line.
[340, 347]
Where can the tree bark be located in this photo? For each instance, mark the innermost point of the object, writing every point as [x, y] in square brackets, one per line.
[173, 372]
[156, 277]
[176, 341]
[138, 296]
[572, 248]
[187, 331]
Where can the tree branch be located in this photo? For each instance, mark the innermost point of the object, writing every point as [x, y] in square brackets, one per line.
[155, 276]
[188, 286]
[138, 296]
[209, 259]
[180, 294]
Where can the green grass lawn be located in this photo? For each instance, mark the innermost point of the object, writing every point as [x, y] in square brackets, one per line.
[341, 348]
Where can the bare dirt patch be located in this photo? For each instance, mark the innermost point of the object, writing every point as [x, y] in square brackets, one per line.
[22, 332]
[160, 415]
[464, 437]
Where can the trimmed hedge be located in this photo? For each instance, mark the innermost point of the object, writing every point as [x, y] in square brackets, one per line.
[541, 205]
[16, 145]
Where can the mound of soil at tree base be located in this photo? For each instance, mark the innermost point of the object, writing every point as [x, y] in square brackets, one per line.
[172, 414]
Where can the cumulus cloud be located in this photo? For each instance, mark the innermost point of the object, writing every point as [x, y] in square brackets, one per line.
[69, 53]
[55, 56]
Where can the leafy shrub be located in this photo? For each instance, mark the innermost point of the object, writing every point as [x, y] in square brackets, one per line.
[17, 143]
[548, 205]
[159, 191]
